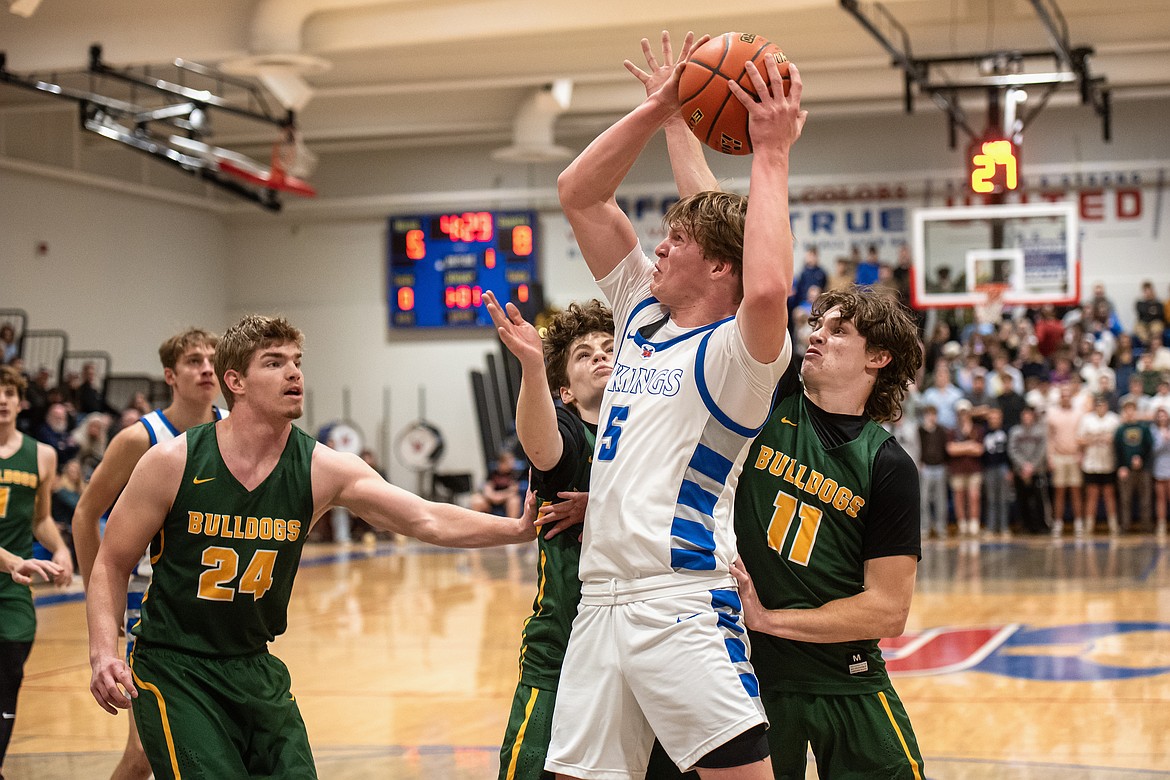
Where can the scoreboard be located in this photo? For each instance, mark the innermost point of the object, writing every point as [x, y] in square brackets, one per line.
[441, 264]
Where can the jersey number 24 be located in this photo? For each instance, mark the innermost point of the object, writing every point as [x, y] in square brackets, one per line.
[223, 563]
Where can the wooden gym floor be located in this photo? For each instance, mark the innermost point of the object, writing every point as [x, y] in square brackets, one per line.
[1030, 658]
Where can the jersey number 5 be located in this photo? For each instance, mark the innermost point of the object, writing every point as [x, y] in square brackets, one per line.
[787, 509]
[223, 562]
[613, 431]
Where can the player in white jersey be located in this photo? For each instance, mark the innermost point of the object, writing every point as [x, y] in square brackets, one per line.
[188, 369]
[658, 646]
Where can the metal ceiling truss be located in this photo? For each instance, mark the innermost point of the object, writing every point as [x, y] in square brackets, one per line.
[998, 71]
[149, 126]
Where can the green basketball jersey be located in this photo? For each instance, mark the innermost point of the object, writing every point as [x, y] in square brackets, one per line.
[224, 570]
[546, 631]
[19, 479]
[800, 515]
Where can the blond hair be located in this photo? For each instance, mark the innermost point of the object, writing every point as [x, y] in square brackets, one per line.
[714, 220]
[247, 337]
[173, 348]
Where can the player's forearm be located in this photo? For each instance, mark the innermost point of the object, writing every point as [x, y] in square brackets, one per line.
[767, 254]
[105, 603]
[536, 424]
[687, 161]
[449, 525]
[47, 534]
[864, 616]
[8, 561]
[86, 539]
[595, 175]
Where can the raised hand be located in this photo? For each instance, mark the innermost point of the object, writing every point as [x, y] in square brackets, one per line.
[776, 119]
[668, 71]
[518, 335]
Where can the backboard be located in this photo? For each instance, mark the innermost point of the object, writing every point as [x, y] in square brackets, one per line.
[1022, 254]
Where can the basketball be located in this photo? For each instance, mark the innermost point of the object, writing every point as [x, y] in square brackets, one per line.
[712, 112]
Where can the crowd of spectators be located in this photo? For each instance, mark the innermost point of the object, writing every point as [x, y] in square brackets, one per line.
[1022, 419]
[1028, 420]
[73, 418]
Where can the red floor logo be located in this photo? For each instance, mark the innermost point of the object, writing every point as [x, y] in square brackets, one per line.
[1055, 653]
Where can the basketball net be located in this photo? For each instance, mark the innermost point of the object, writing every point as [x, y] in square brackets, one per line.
[990, 310]
[292, 156]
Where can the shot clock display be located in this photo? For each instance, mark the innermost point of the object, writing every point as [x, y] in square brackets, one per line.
[441, 264]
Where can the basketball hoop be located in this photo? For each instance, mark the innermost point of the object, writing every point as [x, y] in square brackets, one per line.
[289, 156]
[295, 158]
[990, 309]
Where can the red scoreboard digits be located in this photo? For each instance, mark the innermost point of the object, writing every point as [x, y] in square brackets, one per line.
[441, 264]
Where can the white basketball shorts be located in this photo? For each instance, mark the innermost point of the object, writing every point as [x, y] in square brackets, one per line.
[673, 666]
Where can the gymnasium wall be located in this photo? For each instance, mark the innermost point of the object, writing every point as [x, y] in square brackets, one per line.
[118, 272]
[121, 271]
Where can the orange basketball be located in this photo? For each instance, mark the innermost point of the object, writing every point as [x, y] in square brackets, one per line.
[713, 113]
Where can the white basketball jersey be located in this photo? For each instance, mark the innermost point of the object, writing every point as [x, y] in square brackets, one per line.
[159, 428]
[678, 413]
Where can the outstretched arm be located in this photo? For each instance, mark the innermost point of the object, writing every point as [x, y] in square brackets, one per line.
[588, 186]
[774, 123]
[344, 479]
[536, 415]
[687, 162]
[878, 611]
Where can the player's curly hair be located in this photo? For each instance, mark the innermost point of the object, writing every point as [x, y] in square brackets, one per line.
[885, 325]
[715, 221]
[566, 327]
[247, 337]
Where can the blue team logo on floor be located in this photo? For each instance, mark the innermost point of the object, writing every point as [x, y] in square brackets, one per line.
[1080, 652]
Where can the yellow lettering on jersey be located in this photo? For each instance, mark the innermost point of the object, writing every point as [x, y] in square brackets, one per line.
[790, 472]
[817, 484]
[241, 527]
[778, 464]
[20, 478]
[763, 458]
